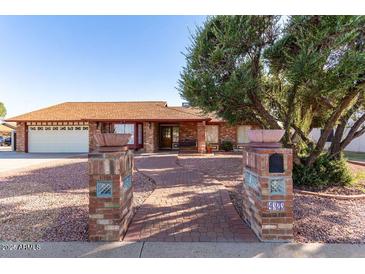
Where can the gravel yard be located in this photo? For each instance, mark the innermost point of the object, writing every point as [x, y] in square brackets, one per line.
[316, 219]
[45, 202]
[49, 201]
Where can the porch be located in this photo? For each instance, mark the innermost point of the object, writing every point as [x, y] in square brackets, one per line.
[153, 136]
[174, 135]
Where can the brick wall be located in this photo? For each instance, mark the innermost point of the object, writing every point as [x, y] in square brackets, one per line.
[20, 137]
[188, 130]
[109, 217]
[268, 197]
[227, 132]
[150, 136]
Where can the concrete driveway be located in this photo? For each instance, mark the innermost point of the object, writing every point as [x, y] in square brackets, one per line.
[10, 160]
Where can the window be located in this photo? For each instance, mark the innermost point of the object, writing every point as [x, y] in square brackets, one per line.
[175, 134]
[140, 134]
[242, 137]
[211, 134]
[125, 128]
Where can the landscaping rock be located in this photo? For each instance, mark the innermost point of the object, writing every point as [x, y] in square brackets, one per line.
[49, 201]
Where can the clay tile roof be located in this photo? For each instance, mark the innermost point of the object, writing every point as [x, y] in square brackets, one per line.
[132, 111]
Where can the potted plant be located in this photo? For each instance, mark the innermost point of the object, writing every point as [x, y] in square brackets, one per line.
[209, 148]
[266, 137]
[111, 139]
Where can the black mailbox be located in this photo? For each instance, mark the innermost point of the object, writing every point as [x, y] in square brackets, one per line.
[276, 163]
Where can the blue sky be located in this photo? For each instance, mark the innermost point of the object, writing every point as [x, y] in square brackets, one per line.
[45, 60]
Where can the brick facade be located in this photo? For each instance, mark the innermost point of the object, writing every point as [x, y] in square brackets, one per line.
[109, 217]
[188, 130]
[268, 197]
[150, 136]
[227, 133]
[21, 137]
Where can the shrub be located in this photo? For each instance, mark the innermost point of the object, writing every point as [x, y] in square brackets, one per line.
[227, 145]
[324, 173]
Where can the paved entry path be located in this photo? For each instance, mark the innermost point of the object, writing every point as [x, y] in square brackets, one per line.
[185, 206]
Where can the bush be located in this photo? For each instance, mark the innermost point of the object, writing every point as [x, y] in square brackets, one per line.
[324, 173]
[227, 145]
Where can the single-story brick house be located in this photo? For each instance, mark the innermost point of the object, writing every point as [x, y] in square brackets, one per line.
[69, 127]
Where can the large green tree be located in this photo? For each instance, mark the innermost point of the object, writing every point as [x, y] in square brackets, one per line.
[2, 110]
[294, 73]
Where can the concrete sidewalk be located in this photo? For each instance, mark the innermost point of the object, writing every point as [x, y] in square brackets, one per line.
[181, 250]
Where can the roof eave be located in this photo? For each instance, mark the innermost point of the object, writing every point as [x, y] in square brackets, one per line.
[110, 120]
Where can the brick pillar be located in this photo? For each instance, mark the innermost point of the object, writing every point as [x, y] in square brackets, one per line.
[201, 137]
[21, 136]
[150, 136]
[110, 195]
[268, 192]
[92, 130]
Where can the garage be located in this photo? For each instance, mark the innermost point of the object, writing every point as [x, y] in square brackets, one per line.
[66, 139]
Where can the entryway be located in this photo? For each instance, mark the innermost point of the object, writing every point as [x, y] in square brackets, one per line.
[185, 206]
[169, 137]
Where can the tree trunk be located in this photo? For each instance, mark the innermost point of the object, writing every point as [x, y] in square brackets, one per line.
[346, 101]
[335, 148]
[289, 115]
[353, 133]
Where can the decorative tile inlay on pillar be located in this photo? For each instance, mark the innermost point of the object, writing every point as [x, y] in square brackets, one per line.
[268, 192]
[277, 186]
[104, 189]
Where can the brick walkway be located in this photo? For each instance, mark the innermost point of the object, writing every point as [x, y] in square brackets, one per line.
[185, 206]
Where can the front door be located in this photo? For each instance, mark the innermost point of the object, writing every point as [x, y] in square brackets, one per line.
[166, 137]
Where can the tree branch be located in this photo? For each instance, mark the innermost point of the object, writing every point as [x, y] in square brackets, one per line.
[345, 102]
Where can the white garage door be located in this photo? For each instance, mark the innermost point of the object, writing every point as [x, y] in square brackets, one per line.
[58, 139]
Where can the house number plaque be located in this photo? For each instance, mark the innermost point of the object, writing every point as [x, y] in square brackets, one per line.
[276, 206]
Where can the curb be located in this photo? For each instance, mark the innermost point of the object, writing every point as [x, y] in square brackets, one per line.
[332, 196]
[356, 162]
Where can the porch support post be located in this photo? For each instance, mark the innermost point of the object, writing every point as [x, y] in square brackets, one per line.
[150, 136]
[201, 137]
